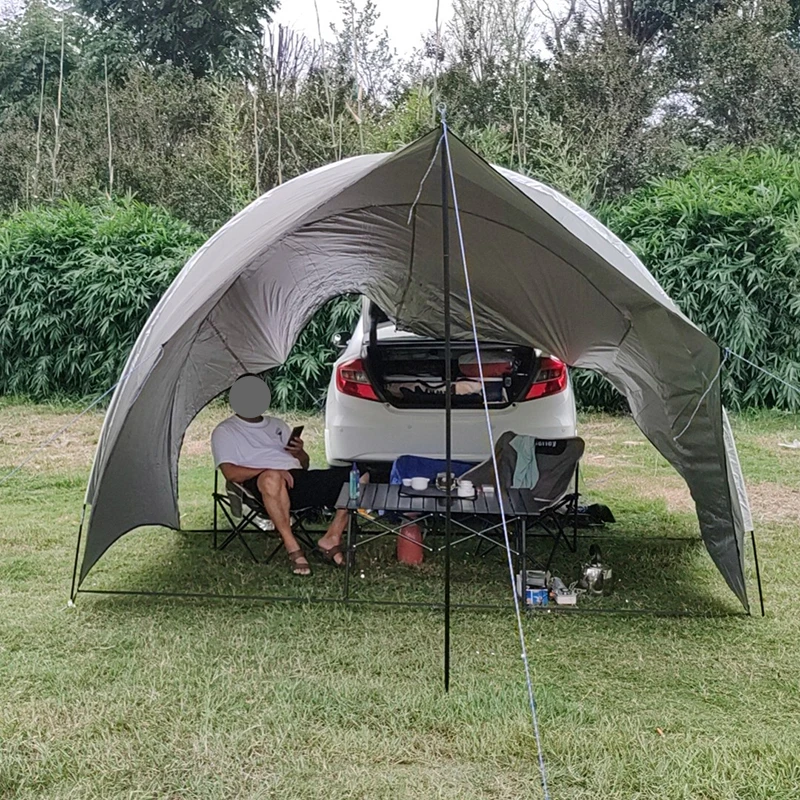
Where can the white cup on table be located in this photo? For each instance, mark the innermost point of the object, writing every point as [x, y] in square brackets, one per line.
[420, 484]
[466, 489]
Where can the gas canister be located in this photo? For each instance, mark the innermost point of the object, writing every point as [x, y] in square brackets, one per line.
[409, 544]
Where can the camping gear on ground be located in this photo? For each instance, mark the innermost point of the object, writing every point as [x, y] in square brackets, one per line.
[372, 224]
[409, 544]
[597, 513]
[536, 597]
[534, 579]
[562, 594]
[596, 577]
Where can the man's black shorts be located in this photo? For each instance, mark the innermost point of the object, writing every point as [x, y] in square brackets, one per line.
[313, 488]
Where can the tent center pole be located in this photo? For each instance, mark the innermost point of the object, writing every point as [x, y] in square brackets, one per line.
[448, 404]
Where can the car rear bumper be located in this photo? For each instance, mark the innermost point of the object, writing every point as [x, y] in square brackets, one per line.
[362, 430]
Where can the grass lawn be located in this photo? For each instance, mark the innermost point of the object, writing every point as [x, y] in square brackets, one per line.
[133, 697]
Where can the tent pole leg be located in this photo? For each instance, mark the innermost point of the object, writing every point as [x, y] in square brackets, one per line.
[758, 571]
[216, 513]
[577, 501]
[73, 592]
[448, 384]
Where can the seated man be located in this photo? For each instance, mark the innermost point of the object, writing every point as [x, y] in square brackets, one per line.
[256, 452]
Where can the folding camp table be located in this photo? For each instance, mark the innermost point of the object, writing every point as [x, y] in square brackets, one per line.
[476, 518]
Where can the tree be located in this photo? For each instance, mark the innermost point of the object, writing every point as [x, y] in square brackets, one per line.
[28, 39]
[738, 75]
[201, 35]
[487, 33]
[364, 59]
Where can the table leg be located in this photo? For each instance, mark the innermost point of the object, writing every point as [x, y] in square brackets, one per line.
[349, 554]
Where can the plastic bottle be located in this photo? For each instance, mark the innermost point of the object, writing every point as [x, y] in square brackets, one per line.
[355, 477]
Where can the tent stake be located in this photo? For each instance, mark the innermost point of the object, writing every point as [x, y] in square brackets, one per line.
[758, 572]
[73, 590]
[448, 410]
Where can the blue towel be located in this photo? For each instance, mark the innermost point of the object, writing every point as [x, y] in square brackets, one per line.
[421, 467]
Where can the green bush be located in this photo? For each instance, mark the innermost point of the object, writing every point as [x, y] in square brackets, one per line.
[77, 283]
[724, 242]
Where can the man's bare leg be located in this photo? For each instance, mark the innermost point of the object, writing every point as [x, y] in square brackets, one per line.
[333, 536]
[275, 497]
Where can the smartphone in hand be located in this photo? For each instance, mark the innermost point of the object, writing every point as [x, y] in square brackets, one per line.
[296, 432]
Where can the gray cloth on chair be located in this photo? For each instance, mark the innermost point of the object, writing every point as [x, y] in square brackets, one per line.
[556, 462]
[526, 471]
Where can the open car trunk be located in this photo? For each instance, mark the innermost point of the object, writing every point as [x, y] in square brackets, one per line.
[410, 373]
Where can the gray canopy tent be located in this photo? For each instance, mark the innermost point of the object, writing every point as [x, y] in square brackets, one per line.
[543, 272]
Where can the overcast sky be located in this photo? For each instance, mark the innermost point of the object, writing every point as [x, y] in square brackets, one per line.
[406, 20]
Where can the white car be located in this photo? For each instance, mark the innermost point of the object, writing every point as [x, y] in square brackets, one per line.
[386, 397]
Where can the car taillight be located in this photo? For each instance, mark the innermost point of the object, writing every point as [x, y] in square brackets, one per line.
[352, 379]
[550, 379]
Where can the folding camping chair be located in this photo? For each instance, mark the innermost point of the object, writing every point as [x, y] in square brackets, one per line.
[244, 511]
[538, 474]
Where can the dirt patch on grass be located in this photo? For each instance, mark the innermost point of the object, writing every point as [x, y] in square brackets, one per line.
[769, 501]
[643, 484]
[24, 428]
[773, 502]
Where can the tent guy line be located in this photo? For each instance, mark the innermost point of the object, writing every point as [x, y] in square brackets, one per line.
[425, 176]
[490, 431]
[705, 394]
[778, 378]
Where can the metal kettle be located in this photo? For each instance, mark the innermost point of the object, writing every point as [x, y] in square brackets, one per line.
[595, 578]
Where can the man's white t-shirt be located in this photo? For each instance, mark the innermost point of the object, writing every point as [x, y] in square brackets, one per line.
[260, 445]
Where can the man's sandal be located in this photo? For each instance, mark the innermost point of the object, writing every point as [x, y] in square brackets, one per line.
[329, 554]
[301, 570]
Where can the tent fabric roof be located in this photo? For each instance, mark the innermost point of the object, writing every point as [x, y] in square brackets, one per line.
[542, 271]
